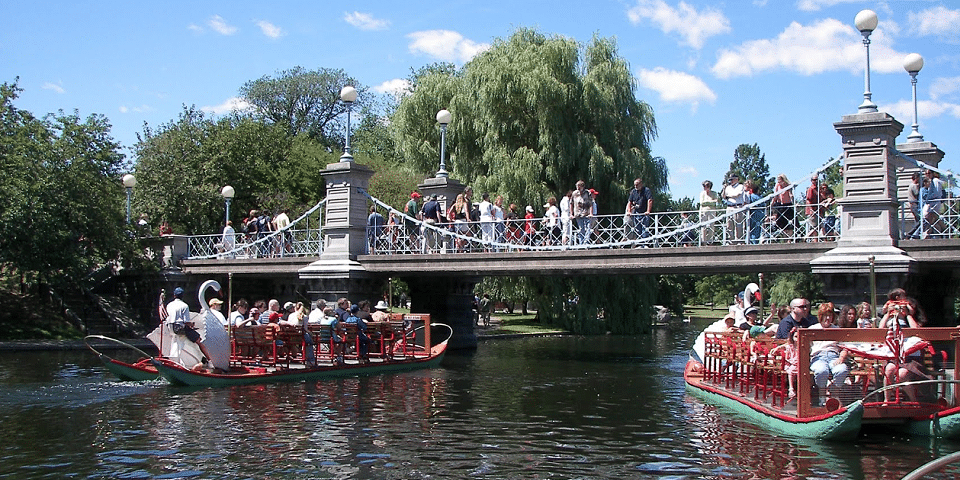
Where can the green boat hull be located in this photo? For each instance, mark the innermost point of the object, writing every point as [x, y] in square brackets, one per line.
[843, 423]
[127, 372]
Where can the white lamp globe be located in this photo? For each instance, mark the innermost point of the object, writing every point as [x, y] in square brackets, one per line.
[227, 192]
[444, 116]
[129, 181]
[348, 94]
[912, 63]
[866, 20]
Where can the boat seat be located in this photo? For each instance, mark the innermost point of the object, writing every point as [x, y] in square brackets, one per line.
[292, 338]
[323, 341]
[244, 346]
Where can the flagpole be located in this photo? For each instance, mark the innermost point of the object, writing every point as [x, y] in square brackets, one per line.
[873, 285]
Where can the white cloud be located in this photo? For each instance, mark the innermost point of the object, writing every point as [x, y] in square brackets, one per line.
[814, 5]
[139, 109]
[396, 87]
[193, 27]
[56, 87]
[945, 88]
[365, 21]
[693, 26]
[219, 25]
[674, 86]
[938, 22]
[229, 105]
[926, 109]
[270, 29]
[828, 45]
[445, 45]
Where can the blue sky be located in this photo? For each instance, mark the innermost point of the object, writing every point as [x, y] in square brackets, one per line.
[717, 74]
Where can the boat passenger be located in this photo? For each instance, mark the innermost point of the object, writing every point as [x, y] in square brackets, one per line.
[343, 309]
[215, 304]
[178, 317]
[848, 316]
[900, 311]
[330, 320]
[316, 315]
[272, 308]
[380, 314]
[798, 318]
[361, 332]
[736, 311]
[826, 357]
[791, 355]
[239, 313]
[864, 315]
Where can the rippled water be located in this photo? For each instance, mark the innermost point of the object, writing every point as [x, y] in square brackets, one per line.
[562, 407]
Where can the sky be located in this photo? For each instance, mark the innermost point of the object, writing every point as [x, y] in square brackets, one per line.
[717, 73]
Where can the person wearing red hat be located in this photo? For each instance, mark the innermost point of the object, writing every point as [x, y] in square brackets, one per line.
[412, 209]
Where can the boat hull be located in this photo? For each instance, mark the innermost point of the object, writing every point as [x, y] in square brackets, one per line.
[843, 423]
[177, 375]
[945, 424]
[136, 372]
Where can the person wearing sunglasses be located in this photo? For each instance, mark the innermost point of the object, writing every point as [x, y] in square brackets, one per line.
[799, 317]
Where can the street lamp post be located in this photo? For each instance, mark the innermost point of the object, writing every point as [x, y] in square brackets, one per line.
[348, 95]
[129, 181]
[866, 22]
[228, 192]
[443, 118]
[912, 63]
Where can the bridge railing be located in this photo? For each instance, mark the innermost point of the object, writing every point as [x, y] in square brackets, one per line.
[940, 220]
[302, 238]
[756, 224]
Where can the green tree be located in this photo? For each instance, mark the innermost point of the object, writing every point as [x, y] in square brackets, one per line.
[533, 115]
[751, 165]
[63, 211]
[183, 164]
[305, 101]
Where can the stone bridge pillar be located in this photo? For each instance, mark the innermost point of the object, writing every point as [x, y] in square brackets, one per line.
[869, 226]
[337, 273]
[448, 300]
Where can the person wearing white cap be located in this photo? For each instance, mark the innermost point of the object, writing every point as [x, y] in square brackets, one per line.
[215, 304]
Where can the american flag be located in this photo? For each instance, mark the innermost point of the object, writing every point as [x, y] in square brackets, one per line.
[894, 341]
[161, 307]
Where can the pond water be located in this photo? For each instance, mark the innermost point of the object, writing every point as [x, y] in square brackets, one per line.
[552, 407]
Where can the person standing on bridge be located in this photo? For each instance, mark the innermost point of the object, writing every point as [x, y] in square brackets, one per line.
[412, 209]
[486, 219]
[735, 197]
[640, 205]
[814, 209]
[431, 216]
[709, 203]
[583, 211]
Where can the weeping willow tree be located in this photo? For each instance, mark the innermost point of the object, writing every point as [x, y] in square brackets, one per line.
[531, 116]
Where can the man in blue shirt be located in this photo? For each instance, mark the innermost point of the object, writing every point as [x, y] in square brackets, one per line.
[799, 317]
[640, 205]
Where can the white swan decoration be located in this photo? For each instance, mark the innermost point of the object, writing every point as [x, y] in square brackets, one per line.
[210, 326]
[181, 350]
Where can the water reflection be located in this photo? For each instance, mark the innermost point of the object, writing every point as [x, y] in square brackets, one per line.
[569, 407]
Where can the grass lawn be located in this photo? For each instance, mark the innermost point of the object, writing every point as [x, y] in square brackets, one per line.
[510, 323]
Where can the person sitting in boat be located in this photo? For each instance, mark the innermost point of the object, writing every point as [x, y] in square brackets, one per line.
[178, 318]
[361, 332]
[239, 314]
[864, 315]
[328, 334]
[827, 359]
[848, 316]
[757, 328]
[902, 310]
[791, 357]
[798, 318]
[215, 304]
[343, 309]
[380, 314]
[736, 310]
[316, 315]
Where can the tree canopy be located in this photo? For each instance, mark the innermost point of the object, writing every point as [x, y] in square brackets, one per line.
[751, 165]
[304, 101]
[63, 211]
[531, 116]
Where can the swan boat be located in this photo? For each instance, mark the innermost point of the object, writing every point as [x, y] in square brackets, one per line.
[747, 377]
[265, 354]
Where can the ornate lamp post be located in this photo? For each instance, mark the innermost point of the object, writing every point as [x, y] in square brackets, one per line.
[912, 63]
[348, 95]
[228, 192]
[443, 118]
[129, 181]
[866, 22]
